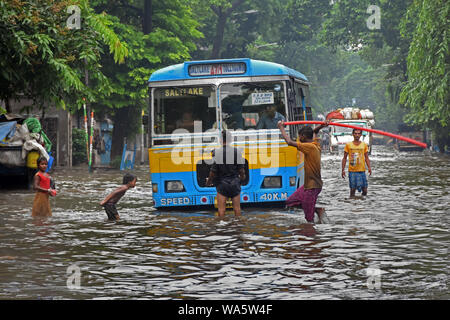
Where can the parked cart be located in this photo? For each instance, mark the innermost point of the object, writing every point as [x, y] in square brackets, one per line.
[22, 142]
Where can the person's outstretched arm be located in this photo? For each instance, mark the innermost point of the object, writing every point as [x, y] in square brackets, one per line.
[286, 138]
[114, 194]
[210, 178]
[316, 130]
[366, 156]
[344, 162]
[242, 174]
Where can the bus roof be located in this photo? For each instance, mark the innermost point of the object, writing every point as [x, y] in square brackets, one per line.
[223, 68]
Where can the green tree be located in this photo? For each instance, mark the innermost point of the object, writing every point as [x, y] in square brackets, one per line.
[228, 26]
[346, 26]
[426, 92]
[336, 76]
[43, 60]
[243, 28]
[157, 34]
[255, 30]
[78, 146]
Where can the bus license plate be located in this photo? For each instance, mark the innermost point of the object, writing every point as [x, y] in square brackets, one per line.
[272, 196]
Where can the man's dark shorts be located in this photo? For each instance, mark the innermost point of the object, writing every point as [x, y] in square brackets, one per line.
[111, 211]
[229, 187]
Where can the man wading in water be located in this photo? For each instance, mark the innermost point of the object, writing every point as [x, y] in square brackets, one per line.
[227, 173]
[306, 195]
[358, 154]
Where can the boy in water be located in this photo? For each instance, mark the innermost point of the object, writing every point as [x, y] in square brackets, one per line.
[358, 155]
[306, 196]
[109, 203]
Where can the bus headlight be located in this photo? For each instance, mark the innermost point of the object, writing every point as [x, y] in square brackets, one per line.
[272, 182]
[292, 181]
[174, 186]
[154, 187]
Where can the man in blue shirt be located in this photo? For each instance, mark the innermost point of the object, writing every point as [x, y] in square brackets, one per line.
[270, 118]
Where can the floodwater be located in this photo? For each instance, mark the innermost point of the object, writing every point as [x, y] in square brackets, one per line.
[392, 244]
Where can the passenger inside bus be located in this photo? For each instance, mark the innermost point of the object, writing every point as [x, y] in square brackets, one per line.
[270, 118]
[232, 111]
[186, 121]
[177, 108]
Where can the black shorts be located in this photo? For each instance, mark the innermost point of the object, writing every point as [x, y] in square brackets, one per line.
[111, 211]
[229, 187]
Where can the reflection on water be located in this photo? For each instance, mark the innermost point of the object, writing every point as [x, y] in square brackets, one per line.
[393, 244]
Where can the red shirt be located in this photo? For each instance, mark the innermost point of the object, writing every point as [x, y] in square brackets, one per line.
[44, 181]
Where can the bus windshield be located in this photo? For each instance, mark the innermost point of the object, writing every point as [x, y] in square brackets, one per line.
[255, 105]
[185, 109]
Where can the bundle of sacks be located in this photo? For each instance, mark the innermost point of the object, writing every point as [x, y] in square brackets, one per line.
[350, 114]
[29, 135]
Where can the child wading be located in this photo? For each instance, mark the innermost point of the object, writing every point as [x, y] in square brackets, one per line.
[42, 183]
[306, 195]
[109, 203]
[358, 155]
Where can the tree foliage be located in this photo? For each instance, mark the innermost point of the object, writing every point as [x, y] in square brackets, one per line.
[400, 68]
[43, 60]
[385, 49]
[427, 90]
[157, 34]
[170, 41]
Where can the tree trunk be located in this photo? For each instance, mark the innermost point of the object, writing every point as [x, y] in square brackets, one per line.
[127, 122]
[147, 20]
[222, 17]
[220, 29]
[442, 137]
[7, 106]
[119, 132]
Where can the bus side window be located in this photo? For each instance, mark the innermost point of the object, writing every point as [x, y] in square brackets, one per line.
[305, 99]
[299, 100]
[302, 103]
[297, 110]
[291, 108]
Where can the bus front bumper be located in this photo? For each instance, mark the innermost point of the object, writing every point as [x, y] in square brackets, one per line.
[269, 196]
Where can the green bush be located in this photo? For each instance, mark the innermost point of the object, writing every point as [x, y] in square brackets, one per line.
[78, 146]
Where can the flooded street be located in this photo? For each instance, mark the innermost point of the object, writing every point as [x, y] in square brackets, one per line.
[393, 244]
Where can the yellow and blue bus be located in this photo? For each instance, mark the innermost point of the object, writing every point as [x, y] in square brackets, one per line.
[190, 103]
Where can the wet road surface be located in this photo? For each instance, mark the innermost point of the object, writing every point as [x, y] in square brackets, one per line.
[392, 244]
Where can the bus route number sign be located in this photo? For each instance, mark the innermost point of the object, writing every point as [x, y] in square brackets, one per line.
[197, 70]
